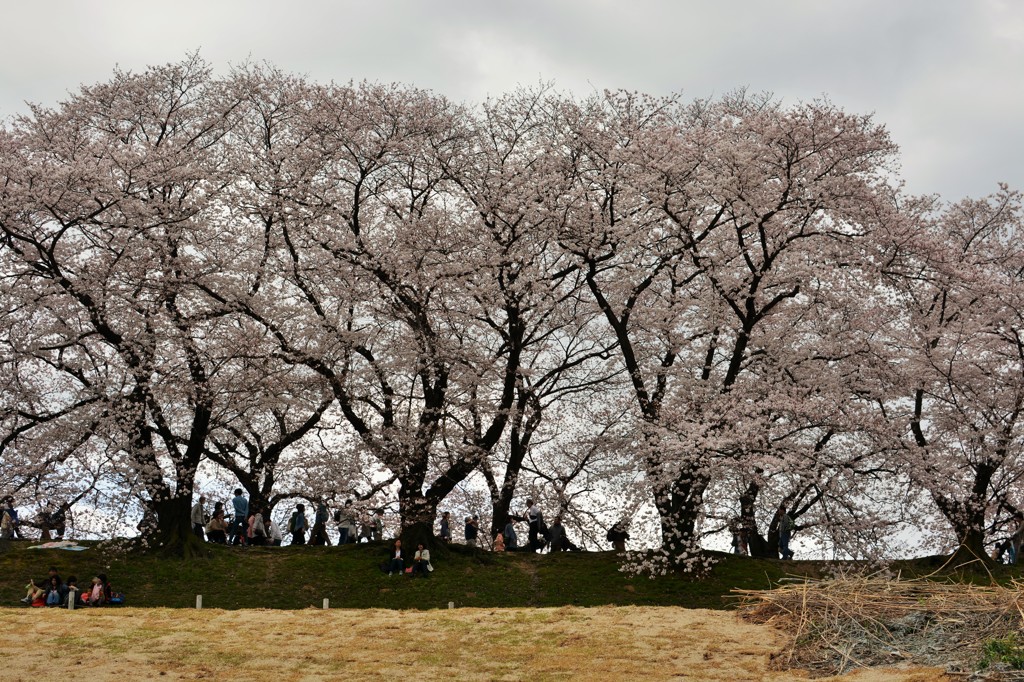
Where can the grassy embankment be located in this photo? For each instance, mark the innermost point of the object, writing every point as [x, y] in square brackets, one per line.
[301, 577]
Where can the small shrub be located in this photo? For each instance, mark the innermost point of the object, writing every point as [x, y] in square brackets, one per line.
[1007, 651]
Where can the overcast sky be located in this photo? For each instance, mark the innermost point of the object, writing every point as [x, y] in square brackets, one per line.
[945, 76]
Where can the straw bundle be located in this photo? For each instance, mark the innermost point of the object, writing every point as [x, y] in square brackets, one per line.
[850, 622]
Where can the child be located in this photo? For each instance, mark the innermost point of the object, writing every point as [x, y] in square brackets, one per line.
[99, 593]
[72, 593]
[56, 592]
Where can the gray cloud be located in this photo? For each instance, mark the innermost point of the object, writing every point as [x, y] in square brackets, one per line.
[943, 75]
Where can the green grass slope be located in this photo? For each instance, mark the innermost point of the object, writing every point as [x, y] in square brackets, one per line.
[301, 577]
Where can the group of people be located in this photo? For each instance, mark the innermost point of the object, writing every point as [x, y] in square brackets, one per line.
[539, 534]
[51, 521]
[257, 528]
[54, 592]
[244, 527]
[421, 565]
[741, 533]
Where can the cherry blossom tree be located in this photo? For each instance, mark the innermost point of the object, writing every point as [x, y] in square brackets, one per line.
[105, 206]
[700, 229]
[538, 343]
[956, 359]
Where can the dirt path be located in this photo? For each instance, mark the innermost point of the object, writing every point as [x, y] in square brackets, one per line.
[629, 643]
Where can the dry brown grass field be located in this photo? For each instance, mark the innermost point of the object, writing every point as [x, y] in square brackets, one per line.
[604, 643]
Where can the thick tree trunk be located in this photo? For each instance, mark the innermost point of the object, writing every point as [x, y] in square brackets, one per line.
[417, 513]
[679, 505]
[970, 532]
[757, 545]
[972, 548]
[172, 534]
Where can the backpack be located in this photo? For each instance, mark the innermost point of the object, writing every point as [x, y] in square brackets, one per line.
[291, 522]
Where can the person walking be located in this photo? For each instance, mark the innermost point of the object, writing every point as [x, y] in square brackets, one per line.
[297, 525]
[318, 536]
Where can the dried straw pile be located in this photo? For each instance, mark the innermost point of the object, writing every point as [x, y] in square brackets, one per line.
[840, 624]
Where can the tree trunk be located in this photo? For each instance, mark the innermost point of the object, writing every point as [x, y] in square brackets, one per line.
[679, 505]
[971, 549]
[172, 535]
[757, 545]
[417, 514]
[970, 531]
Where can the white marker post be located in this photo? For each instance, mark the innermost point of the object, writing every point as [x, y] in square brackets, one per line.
[327, 603]
[199, 601]
[451, 605]
[71, 598]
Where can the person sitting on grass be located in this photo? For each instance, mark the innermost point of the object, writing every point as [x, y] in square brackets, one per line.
[37, 590]
[71, 592]
[34, 594]
[274, 535]
[499, 543]
[56, 592]
[99, 593]
[421, 562]
[217, 528]
[396, 565]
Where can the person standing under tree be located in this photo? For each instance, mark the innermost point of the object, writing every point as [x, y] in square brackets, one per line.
[786, 528]
[1017, 538]
[13, 514]
[346, 520]
[617, 535]
[378, 525]
[6, 525]
[534, 518]
[241, 507]
[446, 529]
[199, 518]
[739, 535]
[471, 531]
